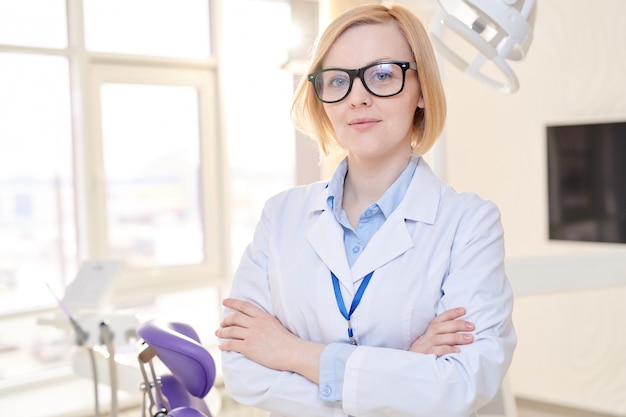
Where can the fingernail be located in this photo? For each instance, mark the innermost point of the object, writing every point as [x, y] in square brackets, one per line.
[469, 325]
[468, 337]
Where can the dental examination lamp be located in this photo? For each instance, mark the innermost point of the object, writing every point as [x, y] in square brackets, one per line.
[498, 30]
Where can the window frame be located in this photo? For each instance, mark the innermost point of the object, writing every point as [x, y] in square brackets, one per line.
[90, 69]
[152, 281]
[87, 71]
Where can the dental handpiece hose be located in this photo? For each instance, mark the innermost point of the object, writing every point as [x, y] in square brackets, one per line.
[106, 337]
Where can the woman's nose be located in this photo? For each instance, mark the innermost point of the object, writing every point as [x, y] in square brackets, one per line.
[359, 96]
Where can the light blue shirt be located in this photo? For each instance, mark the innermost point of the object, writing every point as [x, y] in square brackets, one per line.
[335, 355]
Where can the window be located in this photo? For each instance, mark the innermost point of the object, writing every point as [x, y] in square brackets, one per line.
[164, 28]
[109, 149]
[37, 233]
[258, 89]
[112, 146]
[151, 150]
[33, 23]
[161, 169]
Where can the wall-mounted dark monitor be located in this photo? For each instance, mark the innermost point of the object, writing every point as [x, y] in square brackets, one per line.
[587, 182]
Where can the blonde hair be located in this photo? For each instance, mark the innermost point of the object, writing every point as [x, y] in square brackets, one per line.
[308, 112]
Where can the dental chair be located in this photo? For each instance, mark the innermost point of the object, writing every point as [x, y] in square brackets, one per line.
[180, 391]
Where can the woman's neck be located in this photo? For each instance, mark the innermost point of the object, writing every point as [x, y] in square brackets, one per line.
[367, 181]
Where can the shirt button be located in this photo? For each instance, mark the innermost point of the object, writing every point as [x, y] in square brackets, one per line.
[327, 391]
[356, 249]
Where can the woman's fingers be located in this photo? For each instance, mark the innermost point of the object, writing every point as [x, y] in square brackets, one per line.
[449, 322]
[453, 339]
[452, 314]
[452, 326]
[243, 313]
[445, 333]
[242, 306]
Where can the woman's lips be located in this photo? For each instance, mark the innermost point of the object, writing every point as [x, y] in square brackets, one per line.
[363, 123]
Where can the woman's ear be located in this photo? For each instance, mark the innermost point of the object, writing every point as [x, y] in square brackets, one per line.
[420, 102]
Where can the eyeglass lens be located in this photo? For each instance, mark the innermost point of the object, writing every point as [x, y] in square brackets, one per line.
[382, 79]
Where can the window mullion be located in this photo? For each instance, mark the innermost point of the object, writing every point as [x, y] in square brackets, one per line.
[88, 165]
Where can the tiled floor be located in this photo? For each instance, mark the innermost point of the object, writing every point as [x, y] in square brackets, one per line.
[524, 409]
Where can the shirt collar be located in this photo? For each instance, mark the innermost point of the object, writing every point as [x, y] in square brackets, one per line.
[387, 203]
[335, 188]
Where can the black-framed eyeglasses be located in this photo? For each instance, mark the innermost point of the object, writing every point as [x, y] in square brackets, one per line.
[382, 79]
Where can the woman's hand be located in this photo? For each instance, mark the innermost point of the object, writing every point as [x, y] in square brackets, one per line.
[444, 333]
[259, 336]
[255, 334]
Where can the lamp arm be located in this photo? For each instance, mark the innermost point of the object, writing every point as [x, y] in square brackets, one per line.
[486, 50]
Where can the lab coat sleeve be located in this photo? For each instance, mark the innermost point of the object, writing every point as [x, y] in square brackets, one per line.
[388, 382]
[281, 392]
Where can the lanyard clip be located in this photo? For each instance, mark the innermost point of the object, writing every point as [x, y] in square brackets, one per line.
[351, 334]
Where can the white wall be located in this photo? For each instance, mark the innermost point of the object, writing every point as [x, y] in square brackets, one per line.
[572, 344]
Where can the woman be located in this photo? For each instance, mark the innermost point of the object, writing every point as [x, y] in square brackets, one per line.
[348, 301]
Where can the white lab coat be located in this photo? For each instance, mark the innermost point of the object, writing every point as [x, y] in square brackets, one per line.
[438, 250]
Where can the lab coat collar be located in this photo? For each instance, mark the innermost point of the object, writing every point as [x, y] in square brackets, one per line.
[392, 239]
[422, 199]
[326, 238]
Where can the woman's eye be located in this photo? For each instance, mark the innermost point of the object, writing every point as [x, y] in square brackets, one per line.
[338, 82]
[382, 76]
[381, 73]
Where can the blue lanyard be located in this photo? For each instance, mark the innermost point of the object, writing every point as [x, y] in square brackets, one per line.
[355, 301]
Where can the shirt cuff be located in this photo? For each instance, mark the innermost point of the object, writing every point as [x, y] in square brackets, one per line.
[332, 368]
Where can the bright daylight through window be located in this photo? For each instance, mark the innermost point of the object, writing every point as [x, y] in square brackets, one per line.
[112, 147]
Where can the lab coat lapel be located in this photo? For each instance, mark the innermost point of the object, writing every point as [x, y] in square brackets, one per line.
[389, 242]
[326, 238]
[420, 204]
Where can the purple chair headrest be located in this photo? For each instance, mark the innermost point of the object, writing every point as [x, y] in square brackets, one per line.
[178, 346]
